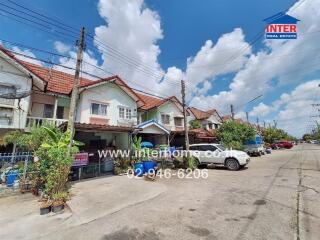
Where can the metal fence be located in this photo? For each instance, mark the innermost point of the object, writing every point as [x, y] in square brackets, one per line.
[12, 158]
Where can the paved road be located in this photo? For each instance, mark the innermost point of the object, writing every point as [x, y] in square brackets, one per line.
[276, 197]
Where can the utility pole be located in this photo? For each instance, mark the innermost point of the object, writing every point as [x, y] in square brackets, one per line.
[264, 124]
[232, 111]
[275, 123]
[75, 88]
[258, 123]
[183, 94]
[247, 115]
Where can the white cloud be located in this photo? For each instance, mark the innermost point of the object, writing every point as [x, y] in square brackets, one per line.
[61, 47]
[261, 110]
[284, 61]
[210, 61]
[134, 30]
[27, 53]
[88, 65]
[294, 109]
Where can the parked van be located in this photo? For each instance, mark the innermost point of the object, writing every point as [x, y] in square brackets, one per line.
[255, 147]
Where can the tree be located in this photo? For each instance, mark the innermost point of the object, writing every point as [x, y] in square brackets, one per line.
[54, 154]
[271, 135]
[194, 124]
[27, 141]
[234, 134]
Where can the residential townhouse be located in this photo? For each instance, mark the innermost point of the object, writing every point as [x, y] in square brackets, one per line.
[16, 86]
[161, 119]
[106, 113]
[209, 120]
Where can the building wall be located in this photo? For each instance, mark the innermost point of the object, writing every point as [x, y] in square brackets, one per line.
[37, 104]
[171, 109]
[148, 115]
[168, 108]
[38, 101]
[109, 94]
[10, 75]
[213, 120]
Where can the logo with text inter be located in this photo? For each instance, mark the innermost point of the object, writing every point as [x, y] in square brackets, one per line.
[281, 26]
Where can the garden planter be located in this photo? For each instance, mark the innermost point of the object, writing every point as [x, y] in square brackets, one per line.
[45, 208]
[149, 167]
[57, 206]
[35, 191]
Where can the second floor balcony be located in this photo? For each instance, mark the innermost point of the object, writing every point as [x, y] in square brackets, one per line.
[127, 122]
[33, 122]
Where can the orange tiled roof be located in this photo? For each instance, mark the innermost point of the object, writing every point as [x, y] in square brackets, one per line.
[152, 102]
[229, 118]
[200, 114]
[61, 82]
[58, 82]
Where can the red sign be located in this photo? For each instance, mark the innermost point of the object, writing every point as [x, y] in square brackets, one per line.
[80, 159]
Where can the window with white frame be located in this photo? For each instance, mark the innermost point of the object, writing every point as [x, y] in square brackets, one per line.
[165, 119]
[128, 113]
[125, 113]
[6, 116]
[99, 109]
[178, 121]
[121, 112]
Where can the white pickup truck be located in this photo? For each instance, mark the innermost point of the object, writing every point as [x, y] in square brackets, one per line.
[209, 153]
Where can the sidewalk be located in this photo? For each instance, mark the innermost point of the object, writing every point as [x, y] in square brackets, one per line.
[91, 200]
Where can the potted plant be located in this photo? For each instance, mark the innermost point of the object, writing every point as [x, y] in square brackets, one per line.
[57, 163]
[45, 207]
[138, 164]
[59, 200]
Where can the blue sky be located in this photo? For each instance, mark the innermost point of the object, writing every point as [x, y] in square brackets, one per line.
[163, 34]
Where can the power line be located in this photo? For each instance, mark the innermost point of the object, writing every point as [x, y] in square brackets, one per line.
[40, 24]
[84, 72]
[113, 52]
[41, 29]
[44, 16]
[40, 19]
[116, 53]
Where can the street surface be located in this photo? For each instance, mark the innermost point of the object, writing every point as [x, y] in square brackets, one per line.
[276, 197]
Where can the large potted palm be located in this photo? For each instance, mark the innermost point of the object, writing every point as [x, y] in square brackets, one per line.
[138, 164]
[59, 161]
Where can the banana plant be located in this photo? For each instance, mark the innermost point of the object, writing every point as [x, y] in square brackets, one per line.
[58, 140]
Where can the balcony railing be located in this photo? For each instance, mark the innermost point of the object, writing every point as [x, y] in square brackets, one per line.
[38, 121]
[127, 122]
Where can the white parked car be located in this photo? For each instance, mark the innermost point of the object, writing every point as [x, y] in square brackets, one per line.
[209, 153]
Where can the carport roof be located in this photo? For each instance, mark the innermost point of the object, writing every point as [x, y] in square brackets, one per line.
[154, 123]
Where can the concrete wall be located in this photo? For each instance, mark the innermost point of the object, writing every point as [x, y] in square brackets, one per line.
[10, 75]
[168, 108]
[214, 120]
[171, 109]
[37, 104]
[109, 94]
[38, 100]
